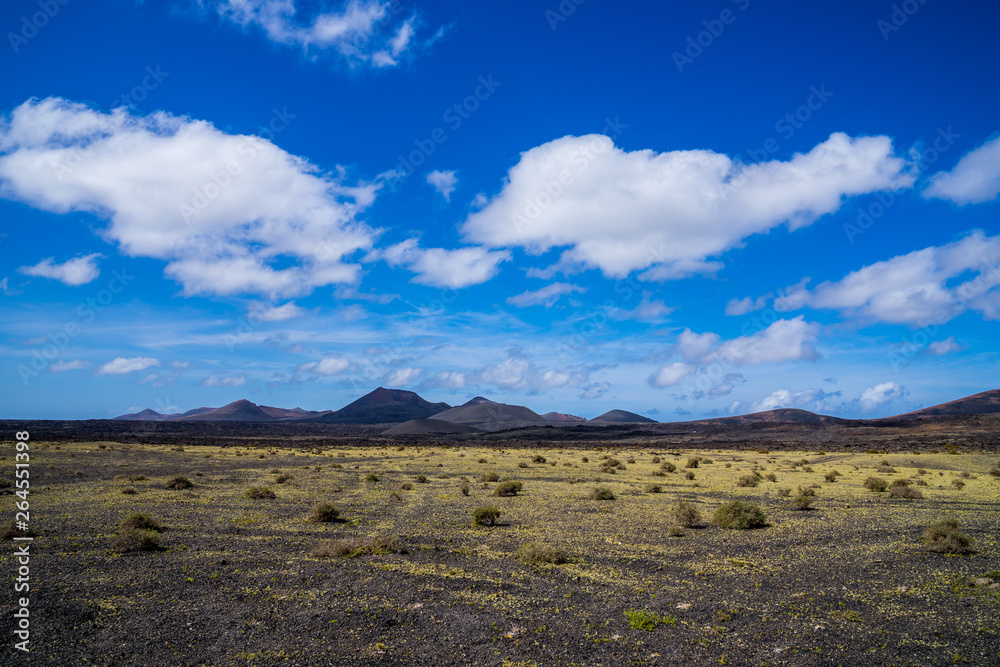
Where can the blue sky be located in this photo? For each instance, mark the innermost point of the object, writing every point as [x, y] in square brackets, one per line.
[681, 209]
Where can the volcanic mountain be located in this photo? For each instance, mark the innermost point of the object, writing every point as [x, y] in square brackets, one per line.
[564, 418]
[430, 427]
[977, 404]
[482, 413]
[237, 411]
[382, 406]
[621, 417]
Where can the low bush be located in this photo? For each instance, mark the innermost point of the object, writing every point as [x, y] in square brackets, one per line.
[538, 459]
[508, 488]
[958, 484]
[806, 491]
[129, 491]
[490, 476]
[749, 480]
[141, 521]
[876, 484]
[946, 537]
[282, 478]
[179, 482]
[739, 515]
[693, 463]
[689, 475]
[421, 479]
[771, 477]
[486, 516]
[645, 620]
[464, 488]
[324, 512]
[134, 539]
[686, 514]
[371, 477]
[802, 502]
[831, 476]
[905, 491]
[538, 553]
[784, 493]
[675, 531]
[668, 467]
[259, 492]
[653, 488]
[601, 493]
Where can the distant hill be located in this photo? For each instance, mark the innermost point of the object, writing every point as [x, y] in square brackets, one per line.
[147, 415]
[560, 417]
[977, 404]
[778, 416]
[382, 406]
[284, 413]
[237, 411]
[430, 427]
[487, 415]
[621, 417]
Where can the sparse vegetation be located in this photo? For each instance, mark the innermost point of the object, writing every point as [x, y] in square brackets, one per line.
[686, 514]
[876, 484]
[486, 516]
[946, 537]
[601, 493]
[739, 515]
[179, 482]
[259, 493]
[137, 532]
[749, 480]
[538, 553]
[324, 512]
[645, 620]
[509, 488]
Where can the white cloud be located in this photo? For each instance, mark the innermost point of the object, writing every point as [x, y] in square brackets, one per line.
[519, 374]
[224, 380]
[785, 340]
[807, 399]
[331, 366]
[546, 296]
[670, 374]
[7, 289]
[447, 380]
[695, 346]
[975, 179]
[919, 286]
[874, 398]
[648, 309]
[223, 210]
[271, 313]
[745, 305]
[62, 366]
[439, 267]
[444, 182]
[122, 365]
[77, 271]
[595, 390]
[362, 33]
[402, 377]
[670, 212]
[939, 348]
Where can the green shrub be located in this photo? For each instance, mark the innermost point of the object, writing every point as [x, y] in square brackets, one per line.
[135, 539]
[668, 467]
[958, 484]
[689, 475]
[489, 476]
[508, 488]
[675, 531]
[129, 491]
[802, 502]
[655, 459]
[259, 492]
[831, 476]
[749, 480]
[645, 620]
[141, 521]
[601, 493]
[537, 553]
[876, 484]
[739, 515]
[282, 478]
[179, 482]
[421, 479]
[486, 516]
[522, 464]
[538, 459]
[686, 514]
[946, 537]
[904, 491]
[784, 493]
[806, 491]
[324, 512]
[653, 488]
[693, 463]
[464, 488]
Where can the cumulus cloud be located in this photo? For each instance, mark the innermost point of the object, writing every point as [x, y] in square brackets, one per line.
[670, 212]
[327, 366]
[439, 267]
[695, 346]
[919, 286]
[595, 390]
[745, 305]
[447, 380]
[402, 377]
[807, 399]
[546, 296]
[975, 179]
[226, 212]
[939, 348]
[77, 271]
[365, 33]
[444, 182]
[874, 398]
[784, 340]
[670, 374]
[63, 366]
[271, 313]
[224, 380]
[122, 365]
